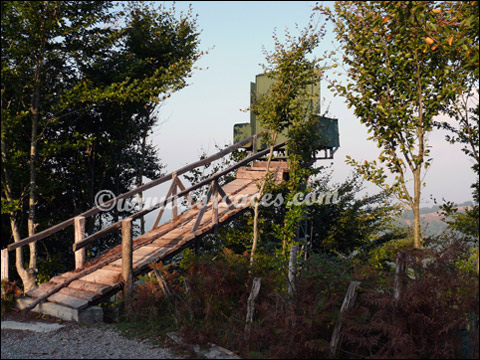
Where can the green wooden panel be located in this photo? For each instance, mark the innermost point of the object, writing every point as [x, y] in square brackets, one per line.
[327, 128]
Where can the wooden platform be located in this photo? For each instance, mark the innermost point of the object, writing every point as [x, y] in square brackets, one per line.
[156, 245]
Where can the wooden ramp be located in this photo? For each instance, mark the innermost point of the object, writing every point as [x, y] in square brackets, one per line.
[87, 288]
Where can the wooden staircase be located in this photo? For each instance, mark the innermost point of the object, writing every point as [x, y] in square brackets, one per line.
[74, 295]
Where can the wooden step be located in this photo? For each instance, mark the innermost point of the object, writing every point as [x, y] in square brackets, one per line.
[104, 277]
[259, 164]
[68, 300]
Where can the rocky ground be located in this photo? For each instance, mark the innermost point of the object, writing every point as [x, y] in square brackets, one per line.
[75, 341]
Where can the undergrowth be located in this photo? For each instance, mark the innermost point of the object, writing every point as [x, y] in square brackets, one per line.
[436, 315]
[10, 293]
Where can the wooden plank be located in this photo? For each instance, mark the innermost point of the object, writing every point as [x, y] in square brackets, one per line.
[40, 290]
[67, 300]
[80, 294]
[140, 261]
[244, 173]
[147, 250]
[273, 164]
[89, 287]
[104, 277]
[162, 243]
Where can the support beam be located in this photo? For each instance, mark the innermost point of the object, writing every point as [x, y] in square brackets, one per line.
[175, 200]
[127, 259]
[79, 228]
[173, 186]
[204, 206]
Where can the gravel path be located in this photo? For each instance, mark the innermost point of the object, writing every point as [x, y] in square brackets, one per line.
[74, 341]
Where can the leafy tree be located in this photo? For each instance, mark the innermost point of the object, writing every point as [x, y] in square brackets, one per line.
[94, 85]
[284, 107]
[454, 33]
[351, 225]
[396, 84]
[32, 47]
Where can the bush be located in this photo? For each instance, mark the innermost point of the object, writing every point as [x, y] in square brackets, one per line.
[10, 293]
[432, 318]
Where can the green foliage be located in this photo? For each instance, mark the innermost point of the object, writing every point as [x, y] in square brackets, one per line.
[286, 106]
[396, 83]
[433, 318]
[351, 225]
[48, 267]
[101, 72]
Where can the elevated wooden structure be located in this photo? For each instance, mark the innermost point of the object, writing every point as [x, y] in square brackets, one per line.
[71, 295]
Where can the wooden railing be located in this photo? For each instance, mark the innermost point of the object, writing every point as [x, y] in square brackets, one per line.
[80, 241]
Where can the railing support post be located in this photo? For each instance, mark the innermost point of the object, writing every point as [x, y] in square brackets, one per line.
[127, 259]
[79, 224]
[5, 264]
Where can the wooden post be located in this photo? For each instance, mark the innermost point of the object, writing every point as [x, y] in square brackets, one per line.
[215, 207]
[5, 264]
[174, 202]
[79, 224]
[127, 259]
[347, 304]
[400, 268]
[203, 207]
[292, 272]
[257, 282]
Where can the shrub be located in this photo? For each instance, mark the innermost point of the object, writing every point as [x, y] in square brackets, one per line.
[432, 318]
[10, 292]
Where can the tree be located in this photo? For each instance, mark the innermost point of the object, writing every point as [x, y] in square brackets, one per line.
[454, 33]
[284, 107]
[83, 88]
[30, 62]
[397, 83]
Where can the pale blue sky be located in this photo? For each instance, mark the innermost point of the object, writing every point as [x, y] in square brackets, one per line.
[203, 114]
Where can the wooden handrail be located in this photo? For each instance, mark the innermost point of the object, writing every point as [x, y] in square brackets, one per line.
[117, 225]
[95, 210]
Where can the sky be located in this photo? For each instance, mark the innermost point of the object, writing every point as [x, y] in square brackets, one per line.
[202, 115]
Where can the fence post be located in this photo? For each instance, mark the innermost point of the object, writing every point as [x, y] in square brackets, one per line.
[127, 259]
[257, 282]
[347, 304]
[79, 224]
[5, 264]
[292, 272]
[400, 269]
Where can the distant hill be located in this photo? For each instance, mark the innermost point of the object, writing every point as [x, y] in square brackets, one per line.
[430, 217]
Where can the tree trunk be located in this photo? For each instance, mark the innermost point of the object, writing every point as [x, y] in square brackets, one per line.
[28, 276]
[257, 203]
[417, 240]
[32, 200]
